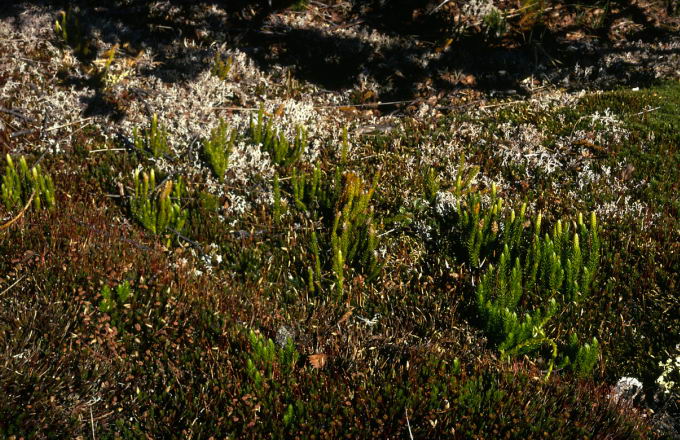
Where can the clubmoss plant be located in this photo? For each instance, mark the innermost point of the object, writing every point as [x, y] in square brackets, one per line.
[157, 212]
[102, 72]
[153, 140]
[344, 146]
[553, 270]
[580, 358]
[218, 147]
[353, 237]
[465, 175]
[270, 370]
[342, 204]
[68, 29]
[495, 23]
[114, 299]
[277, 200]
[283, 152]
[265, 355]
[526, 276]
[221, 67]
[431, 184]
[111, 298]
[18, 183]
[498, 296]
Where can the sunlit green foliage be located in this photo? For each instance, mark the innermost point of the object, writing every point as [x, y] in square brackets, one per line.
[156, 210]
[221, 67]
[153, 140]
[218, 147]
[343, 205]
[68, 29]
[282, 151]
[526, 277]
[18, 183]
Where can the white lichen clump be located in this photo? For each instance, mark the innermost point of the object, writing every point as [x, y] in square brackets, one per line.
[669, 380]
[626, 390]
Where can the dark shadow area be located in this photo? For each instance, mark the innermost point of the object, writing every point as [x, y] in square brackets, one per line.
[414, 62]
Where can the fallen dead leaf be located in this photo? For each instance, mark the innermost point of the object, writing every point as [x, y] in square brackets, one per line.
[317, 360]
[345, 317]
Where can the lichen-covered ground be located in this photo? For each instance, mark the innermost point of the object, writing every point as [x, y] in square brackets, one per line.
[247, 322]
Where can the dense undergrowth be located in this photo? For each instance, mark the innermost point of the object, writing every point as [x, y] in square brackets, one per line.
[105, 316]
[384, 289]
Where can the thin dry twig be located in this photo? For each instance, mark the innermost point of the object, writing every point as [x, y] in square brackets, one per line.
[56, 127]
[238, 109]
[92, 423]
[432, 11]
[408, 424]
[107, 149]
[647, 111]
[13, 284]
[502, 104]
[372, 104]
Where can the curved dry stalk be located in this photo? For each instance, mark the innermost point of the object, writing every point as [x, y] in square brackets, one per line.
[18, 216]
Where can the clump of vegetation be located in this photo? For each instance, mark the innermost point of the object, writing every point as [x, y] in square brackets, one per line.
[277, 209]
[526, 277]
[495, 23]
[19, 184]
[283, 152]
[299, 5]
[68, 29]
[353, 237]
[580, 358]
[102, 68]
[158, 211]
[342, 205]
[400, 310]
[153, 140]
[218, 147]
[113, 300]
[270, 368]
[221, 67]
[669, 380]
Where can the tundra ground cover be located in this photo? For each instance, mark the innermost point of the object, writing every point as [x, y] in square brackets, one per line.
[236, 253]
